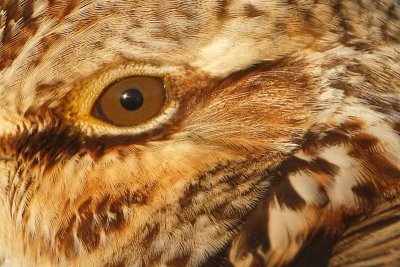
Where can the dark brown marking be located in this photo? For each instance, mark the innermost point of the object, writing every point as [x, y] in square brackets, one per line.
[116, 264]
[291, 165]
[334, 137]
[27, 183]
[373, 226]
[228, 175]
[152, 233]
[396, 126]
[341, 134]
[385, 167]
[88, 232]
[88, 229]
[85, 205]
[65, 238]
[50, 146]
[192, 191]
[102, 206]
[391, 12]
[180, 261]
[60, 142]
[72, 4]
[286, 195]
[388, 35]
[222, 9]
[383, 173]
[291, 2]
[134, 198]
[220, 259]
[351, 125]
[119, 221]
[258, 261]
[362, 143]
[13, 42]
[251, 11]
[367, 193]
[320, 165]
[317, 251]
[254, 233]
[310, 142]
[43, 90]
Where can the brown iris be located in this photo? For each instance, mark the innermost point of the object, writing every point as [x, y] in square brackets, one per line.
[131, 101]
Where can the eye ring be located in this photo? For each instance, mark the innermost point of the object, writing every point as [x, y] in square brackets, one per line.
[131, 101]
[83, 111]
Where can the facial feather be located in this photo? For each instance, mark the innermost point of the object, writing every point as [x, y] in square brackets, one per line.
[286, 111]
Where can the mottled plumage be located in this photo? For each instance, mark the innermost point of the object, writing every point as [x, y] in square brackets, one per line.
[279, 138]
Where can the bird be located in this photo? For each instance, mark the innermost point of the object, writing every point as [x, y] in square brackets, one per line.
[199, 133]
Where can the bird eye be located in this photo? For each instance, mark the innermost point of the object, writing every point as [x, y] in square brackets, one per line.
[131, 101]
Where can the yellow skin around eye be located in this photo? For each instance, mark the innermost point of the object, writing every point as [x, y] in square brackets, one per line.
[83, 97]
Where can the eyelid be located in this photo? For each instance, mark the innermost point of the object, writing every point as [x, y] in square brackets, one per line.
[82, 98]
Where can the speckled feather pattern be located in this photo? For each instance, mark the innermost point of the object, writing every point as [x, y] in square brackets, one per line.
[284, 129]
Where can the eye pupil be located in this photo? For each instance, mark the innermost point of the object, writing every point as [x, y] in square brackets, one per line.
[131, 99]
